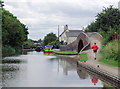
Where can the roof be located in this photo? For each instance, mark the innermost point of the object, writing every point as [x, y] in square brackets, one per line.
[61, 33]
[73, 33]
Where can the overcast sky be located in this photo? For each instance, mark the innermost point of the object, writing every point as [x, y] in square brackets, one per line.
[44, 16]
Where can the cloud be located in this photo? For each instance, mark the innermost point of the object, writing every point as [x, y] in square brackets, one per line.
[43, 16]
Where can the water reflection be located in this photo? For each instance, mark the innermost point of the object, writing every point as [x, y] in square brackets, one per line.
[94, 80]
[82, 73]
[48, 53]
[66, 66]
[40, 70]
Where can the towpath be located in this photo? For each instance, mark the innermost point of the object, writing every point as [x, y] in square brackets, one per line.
[94, 63]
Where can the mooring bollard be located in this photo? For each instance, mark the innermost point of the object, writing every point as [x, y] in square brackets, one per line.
[98, 65]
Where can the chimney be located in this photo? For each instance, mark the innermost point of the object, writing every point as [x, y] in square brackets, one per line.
[83, 29]
[65, 27]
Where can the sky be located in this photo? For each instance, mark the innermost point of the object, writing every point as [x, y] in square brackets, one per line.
[44, 16]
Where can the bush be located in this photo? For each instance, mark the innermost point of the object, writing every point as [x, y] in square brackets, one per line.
[7, 51]
[108, 36]
[18, 50]
[111, 50]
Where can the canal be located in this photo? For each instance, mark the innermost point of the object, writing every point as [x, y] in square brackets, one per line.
[35, 69]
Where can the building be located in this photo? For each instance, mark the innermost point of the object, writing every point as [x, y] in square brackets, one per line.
[68, 36]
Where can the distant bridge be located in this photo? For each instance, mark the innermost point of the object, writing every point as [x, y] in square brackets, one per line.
[83, 42]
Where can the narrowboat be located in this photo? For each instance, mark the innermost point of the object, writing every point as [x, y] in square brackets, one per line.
[48, 49]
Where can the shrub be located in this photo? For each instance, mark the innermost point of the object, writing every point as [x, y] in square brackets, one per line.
[108, 36]
[8, 50]
[18, 50]
[111, 50]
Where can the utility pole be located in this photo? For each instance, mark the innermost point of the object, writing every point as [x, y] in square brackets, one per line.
[58, 32]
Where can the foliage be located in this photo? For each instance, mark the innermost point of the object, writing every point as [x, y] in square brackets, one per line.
[14, 32]
[91, 28]
[28, 43]
[108, 36]
[107, 23]
[109, 17]
[55, 43]
[51, 37]
[39, 41]
[110, 53]
[111, 50]
[65, 52]
[83, 57]
[8, 50]
[109, 62]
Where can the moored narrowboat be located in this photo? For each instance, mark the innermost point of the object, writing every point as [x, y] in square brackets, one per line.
[48, 49]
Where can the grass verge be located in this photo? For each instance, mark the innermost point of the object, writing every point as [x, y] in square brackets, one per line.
[65, 52]
[83, 57]
[109, 62]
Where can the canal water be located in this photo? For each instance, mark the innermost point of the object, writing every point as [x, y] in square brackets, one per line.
[35, 69]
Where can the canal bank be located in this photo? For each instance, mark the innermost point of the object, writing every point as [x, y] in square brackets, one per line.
[102, 70]
[94, 71]
[94, 63]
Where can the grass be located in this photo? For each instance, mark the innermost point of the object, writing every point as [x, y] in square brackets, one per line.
[65, 52]
[109, 62]
[107, 86]
[83, 57]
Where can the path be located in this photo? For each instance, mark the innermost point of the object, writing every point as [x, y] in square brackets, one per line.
[94, 63]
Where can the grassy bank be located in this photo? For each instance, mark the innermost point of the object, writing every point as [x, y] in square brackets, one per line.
[109, 62]
[110, 55]
[65, 52]
[83, 57]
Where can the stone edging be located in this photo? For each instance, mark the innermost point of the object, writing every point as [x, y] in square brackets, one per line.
[108, 76]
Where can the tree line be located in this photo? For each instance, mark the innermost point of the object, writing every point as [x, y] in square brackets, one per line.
[14, 33]
[107, 23]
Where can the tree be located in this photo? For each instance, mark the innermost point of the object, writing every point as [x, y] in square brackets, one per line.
[55, 43]
[39, 41]
[49, 38]
[108, 18]
[92, 27]
[14, 32]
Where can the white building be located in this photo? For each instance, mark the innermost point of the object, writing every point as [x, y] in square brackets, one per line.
[68, 36]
